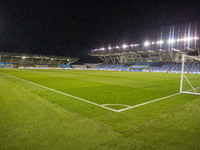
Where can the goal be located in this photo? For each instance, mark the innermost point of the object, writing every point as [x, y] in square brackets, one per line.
[190, 75]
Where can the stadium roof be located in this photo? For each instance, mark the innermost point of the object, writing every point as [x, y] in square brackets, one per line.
[11, 56]
[37, 56]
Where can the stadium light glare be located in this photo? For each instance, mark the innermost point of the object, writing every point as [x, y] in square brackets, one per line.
[191, 38]
[23, 57]
[188, 39]
[196, 38]
[160, 42]
[109, 48]
[136, 45]
[124, 46]
[117, 47]
[102, 49]
[146, 43]
[185, 39]
[153, 42]
[171, 41]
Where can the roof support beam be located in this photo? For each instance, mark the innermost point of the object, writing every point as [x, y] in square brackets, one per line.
[11, 59]
[117, 58]
[111, 58]
[160, 58]
[150, 57]
[32, 60]
[41, 61]
[71, 62]
[59, 61]
[102, 59]
[22, 60]
[107, 59]
[133, 60]
[50, 61]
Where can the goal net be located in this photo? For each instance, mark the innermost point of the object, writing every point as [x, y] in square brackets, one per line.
[190, 75]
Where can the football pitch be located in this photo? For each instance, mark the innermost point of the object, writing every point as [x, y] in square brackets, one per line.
[88, 109]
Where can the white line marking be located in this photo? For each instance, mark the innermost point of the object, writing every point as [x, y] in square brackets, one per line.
[81, 99]
[148, 102]
[116, 105]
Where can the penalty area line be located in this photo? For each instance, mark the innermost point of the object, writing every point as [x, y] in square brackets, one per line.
[81, 99]
[155, 100]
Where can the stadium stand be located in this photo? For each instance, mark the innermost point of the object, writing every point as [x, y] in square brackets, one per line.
[1, 64]
[161, 66]
[33, 61]
[64, 66]
[111, 67]
[157, 67]
[189, 67]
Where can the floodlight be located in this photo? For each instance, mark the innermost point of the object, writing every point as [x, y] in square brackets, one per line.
[171, 41]
[117, 47]
[196, 38]
[23, 57]
[136, 45]
[189, 38]
[102, 49]
[124, 46]
[153, 42]
[109, 48]
[146, 43]
[185, 39]
[161, 42]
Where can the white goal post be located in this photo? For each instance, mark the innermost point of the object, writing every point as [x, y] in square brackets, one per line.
[190, 75]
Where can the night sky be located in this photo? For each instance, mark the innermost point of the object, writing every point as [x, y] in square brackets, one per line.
[73, 28]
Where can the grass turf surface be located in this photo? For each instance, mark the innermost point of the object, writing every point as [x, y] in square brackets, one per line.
[34, 117]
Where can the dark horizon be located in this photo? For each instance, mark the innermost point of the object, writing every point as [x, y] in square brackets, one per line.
[73, 28]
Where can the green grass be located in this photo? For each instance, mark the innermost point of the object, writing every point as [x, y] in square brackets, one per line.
[36, 118]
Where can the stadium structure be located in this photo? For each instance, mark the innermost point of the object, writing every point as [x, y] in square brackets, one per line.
[161, 55]
[11, 60]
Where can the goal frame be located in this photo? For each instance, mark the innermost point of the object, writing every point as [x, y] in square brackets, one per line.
[184, 56]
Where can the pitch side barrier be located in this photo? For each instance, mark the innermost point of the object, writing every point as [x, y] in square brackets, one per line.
[159, 71]
[42, 68]
[110, 70]
[170, 71]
